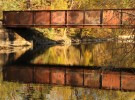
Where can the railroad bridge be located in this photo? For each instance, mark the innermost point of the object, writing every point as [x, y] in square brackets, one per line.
[94, 18]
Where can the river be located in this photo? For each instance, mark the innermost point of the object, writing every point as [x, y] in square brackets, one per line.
[91, 71]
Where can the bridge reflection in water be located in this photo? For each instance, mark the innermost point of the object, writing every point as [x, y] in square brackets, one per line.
[81, 77]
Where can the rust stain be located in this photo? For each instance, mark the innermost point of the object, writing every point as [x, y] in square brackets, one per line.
[42, 18]
[111, 80]
[42, 75]
[26, 18]
[128, 17]
[111, 17]
[128, 81]
[58, 77]
[11, 18]
[92, 79]
[92, 17]
[57, 18]
[74, 77]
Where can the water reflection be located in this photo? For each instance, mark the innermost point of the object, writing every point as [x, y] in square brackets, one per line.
[93, 78]
[62, 83]
[88, 71]
[110, 54]
[8, 55]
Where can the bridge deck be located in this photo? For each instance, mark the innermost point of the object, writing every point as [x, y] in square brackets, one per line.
[106, 18]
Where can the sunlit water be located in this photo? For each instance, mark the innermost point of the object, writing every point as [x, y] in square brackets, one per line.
[94, 71]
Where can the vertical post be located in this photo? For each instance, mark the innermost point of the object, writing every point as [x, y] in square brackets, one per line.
[120, 80]
[19, 17]
[121, 17]
[100, 80]
[4, 18]
[50, 72]
[83, 18]
[83, 77]
[101, 18]
[33, 18]
[27, 4]
[50, 18]
[65, 76]
[34, 71]
[65, 18]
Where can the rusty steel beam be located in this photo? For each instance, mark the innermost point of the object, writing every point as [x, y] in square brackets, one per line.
[95, 18]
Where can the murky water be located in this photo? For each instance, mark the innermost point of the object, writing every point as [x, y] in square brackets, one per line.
[94, 71]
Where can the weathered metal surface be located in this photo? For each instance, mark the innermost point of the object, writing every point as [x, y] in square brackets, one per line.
[112, 18]
[25, 18]
[128, 17]
[74, 77]
[75, 18]
[42, 75]
[92, 78]
[128, 81]
[93, 19]
[11, 18]
[106, 18]
[42, 18]
[57, 76]
[57, 18]
[112, 78]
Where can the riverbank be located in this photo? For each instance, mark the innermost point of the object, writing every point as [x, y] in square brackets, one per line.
[9, 39]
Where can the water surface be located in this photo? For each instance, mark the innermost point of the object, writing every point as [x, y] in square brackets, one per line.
[94, 71]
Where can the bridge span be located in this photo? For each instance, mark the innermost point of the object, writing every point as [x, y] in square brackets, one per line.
[94, 18]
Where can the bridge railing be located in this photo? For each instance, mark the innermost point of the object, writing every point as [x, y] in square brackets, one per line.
[106, 18]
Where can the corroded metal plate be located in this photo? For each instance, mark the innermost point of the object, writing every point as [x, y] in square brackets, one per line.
[112, 18]
[74, 77]
[58, 76]
[128, 81]
[42, 18]
[11, 18]
[57, 18]
[42, 75]
[92, 79]
[15, 74]
[26, 18]
[111, 80]
[128, 17]
[75, 18]
[92, 17]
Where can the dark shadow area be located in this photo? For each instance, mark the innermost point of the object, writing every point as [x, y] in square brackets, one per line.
[33, 35]
[30, 54]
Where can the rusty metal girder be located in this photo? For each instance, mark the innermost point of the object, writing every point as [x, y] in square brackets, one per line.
[106, 18]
